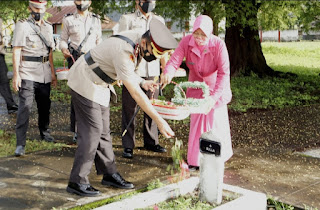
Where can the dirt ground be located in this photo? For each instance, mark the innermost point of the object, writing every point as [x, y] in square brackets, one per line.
[290, 129]
[268, 140]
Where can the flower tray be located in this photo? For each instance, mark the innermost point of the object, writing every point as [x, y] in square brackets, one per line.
[169, 110]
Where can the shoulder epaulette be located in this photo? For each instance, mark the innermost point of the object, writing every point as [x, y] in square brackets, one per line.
[23, 20]
[48, 22]
[95, 15]
[69, 14]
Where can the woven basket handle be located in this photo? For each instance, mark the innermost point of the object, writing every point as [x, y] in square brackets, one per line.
[179, 99]
[180, 88]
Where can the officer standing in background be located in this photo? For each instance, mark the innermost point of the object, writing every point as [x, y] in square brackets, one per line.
[114, 59]
[5, 90]
[33, 71]
[83, 30]
[139, 21]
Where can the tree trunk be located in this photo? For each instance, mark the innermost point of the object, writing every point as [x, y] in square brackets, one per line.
[244, 47]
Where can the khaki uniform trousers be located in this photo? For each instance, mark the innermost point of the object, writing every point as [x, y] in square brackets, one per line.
[94, 140]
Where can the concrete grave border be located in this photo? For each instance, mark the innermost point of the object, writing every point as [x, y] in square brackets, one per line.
[247, 199]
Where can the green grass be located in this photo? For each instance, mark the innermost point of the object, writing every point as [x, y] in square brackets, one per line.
[300, 58]
[8, 145]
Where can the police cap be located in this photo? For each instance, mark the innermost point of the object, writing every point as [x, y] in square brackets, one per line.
[38, 3]
[161, 37]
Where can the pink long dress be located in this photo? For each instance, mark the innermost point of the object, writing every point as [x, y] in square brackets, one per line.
[211, 65]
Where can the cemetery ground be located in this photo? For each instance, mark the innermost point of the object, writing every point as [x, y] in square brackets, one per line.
[272, 120]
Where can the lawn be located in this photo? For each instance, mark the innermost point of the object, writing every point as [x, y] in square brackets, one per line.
[300, 58]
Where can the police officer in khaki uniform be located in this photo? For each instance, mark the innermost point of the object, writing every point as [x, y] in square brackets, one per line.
[114, 59]
[33, 71]
[139, 21]
[5, 90]
[83, 30]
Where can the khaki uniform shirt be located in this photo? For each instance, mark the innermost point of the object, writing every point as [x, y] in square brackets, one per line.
[2, 51]
[32, 45]
[75, 28]
[115, 58]
[139, 23]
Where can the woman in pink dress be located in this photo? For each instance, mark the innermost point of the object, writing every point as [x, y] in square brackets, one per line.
[208, 61]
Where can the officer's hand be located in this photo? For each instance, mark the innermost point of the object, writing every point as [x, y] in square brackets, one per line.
[165, 129]
[165, 79]
[149, 85]
[119, 83]
[53, 80]
[66, 53]
[16, 82]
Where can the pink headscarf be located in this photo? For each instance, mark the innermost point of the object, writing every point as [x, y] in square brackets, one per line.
[205, 23]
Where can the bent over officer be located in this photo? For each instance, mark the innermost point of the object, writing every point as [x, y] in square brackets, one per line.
[33, 71]
[82, 30]
[139, 21]
[114, 59]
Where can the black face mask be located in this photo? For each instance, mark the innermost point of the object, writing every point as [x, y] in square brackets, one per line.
[149, 57]
[147, 6]
[37, 16]
[82, 7]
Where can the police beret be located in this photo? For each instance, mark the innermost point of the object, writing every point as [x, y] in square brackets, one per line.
[38, 3]
[161, 37]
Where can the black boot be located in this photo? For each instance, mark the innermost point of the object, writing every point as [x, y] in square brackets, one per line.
[5, 91]
[13, 109]
[116, 180]
[45, 135]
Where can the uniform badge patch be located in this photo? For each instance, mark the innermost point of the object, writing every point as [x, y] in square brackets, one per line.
[132, 58]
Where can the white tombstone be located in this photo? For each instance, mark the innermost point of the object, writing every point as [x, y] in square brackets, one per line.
[211, 168]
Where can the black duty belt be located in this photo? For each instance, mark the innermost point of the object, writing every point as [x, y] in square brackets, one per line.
[97, 70]
[125, 39]
[41, 59]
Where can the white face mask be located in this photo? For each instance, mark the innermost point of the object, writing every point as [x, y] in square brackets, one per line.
[200, 38]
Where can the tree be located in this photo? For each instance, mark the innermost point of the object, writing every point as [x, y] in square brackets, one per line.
[242, 39]
[12, 11]
[309, 18]
[242, 35]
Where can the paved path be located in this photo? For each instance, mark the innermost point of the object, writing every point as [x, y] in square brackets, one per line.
[38, 180]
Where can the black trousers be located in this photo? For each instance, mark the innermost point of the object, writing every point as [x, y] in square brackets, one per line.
[150, 129]
[5, 90]
[72, 113]
[41, 92]
[94, 140]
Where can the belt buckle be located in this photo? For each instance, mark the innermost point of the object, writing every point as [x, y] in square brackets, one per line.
[44, 59]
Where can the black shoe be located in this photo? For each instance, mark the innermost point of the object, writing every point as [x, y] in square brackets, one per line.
[127, 153]
[193, 168]
[82, 189]
[19, 151]
[155, 148]
[117, 181]
[45, 135]
[13, 109]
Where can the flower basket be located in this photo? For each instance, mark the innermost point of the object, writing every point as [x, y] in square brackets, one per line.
[196, 105]
[62, 73]
[169, 110]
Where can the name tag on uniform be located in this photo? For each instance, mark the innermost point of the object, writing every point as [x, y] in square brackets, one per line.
[191, 63]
